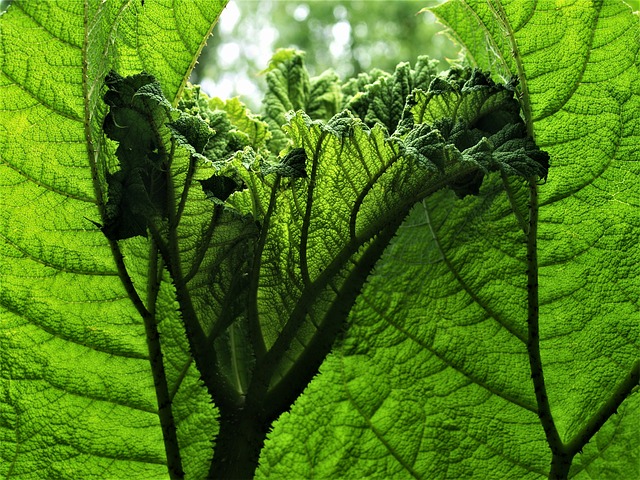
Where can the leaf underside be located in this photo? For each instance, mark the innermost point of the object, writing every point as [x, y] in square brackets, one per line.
[432, 380]
[76, 388]
[268, 233]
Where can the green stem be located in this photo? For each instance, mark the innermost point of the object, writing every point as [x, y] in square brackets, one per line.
[238, 444]
[205, 357]
[165, 413]
[560, 466]
[501, 19]
[255, 333]
[610, 407]
[533, 339]
[306, 223]
[292, 384]
[562, 454]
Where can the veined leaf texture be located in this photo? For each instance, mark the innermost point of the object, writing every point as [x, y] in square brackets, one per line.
[237, 250]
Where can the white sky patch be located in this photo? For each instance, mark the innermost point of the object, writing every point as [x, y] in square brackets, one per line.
[245, 87]
[222, 88]
[301, 12]
[267, 37]
[229, 17]
[341, 33]
[252, 51]
[228, 54]
[231, 85]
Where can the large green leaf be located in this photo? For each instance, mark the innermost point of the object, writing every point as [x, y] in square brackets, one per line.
[357, 185]
[291, 88]
[77, 389]
[262, 311]
[433, 379]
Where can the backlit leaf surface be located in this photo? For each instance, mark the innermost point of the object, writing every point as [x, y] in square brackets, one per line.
[433, 380]
[77, 395]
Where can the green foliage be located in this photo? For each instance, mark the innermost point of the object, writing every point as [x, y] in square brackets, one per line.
[382, 232]
[348, 36]
[137, 192]
[291, 88]
[437, 344]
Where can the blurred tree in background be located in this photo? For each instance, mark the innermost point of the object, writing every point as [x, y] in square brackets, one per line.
[349, 36]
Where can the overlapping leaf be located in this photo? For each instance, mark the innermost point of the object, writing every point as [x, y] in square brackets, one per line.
[291, 88]
[326, 211]
[77, 394]
[357, 184]
[581, 109]
[381, 98]
[429, 382]
[434, 377]
[173, 164]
